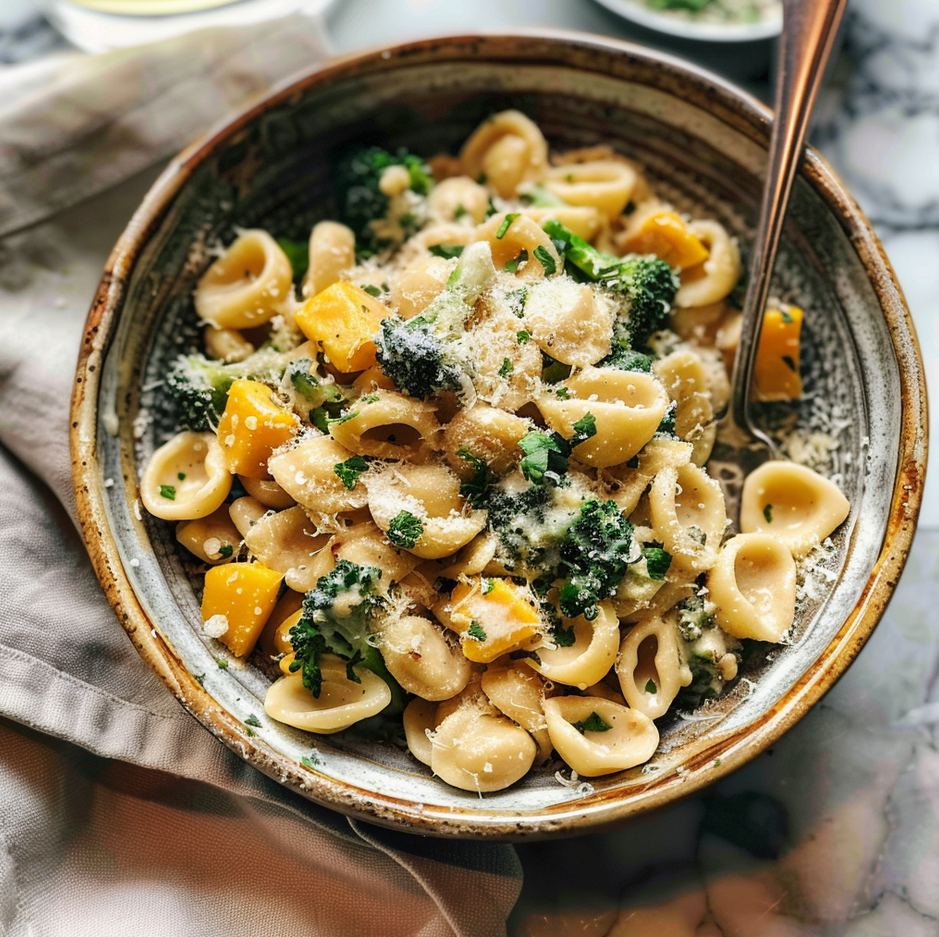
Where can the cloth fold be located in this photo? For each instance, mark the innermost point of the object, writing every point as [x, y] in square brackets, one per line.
[117, 809]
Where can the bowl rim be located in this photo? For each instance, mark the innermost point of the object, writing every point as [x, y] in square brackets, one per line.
[559, 47]
[637, 12]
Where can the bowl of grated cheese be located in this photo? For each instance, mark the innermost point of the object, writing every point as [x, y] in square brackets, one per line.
[485, 450]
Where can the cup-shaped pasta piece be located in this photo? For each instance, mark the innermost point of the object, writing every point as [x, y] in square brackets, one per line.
[753, 585]
[507, 370]
[712, 280]
[650, 666]
[506, 149]
[420, 508]
[606, 185]
[569, 321]
[514, 690]
[248, 285]
[267, 491]
[287, 541]
[492, 616]
[687, 514]
[472, 559]
[185, 478]
[459, 197]
[390, 426]
[588, 658]
[793, 503]
[626, 483]
[341, 702]
[479, 752]
[422, 658]
[226, 345]
[307, 472]
[245, 513]
[421, 281]
[483, 432]
[366, 545]
[583, 220]
[213, 538]
[597, 736]
[682, 373]
[331, 252]
[517, 240]
[628, 407]
[420, 720]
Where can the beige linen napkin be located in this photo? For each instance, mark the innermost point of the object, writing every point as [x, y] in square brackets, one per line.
[118, 812]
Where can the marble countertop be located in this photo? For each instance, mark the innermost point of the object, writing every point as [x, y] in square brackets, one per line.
[835, 829]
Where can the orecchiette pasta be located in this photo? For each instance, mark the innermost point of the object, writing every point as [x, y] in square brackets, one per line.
[463, 468]
[248, 285]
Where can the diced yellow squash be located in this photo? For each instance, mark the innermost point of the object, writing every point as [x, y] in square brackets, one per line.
[776, 372]
[666, 234]
[253, 425]
[244, 595]
[342, 320]
[494, 619]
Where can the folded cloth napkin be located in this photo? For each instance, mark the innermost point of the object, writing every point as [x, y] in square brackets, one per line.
[118, 812]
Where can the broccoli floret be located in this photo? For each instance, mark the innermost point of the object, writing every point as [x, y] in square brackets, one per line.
[198, 386]
[595, 555]
[377, 220]
[646, 286]
[334, 620]
[695, 615]
[711, 654]
[430, 353]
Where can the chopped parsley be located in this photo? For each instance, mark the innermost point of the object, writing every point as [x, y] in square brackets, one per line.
[372, 290]
[657, 562]
[310, 761]
[488, 586]
[226, 550]
[768, 513]
[593, 723]
[476, 488]
[563, 637]
[405, 530]
[506, 224]
[446, 251]
[545, 259]
[253, 720]
[786, 316]
[222, 663]
[517, 299]
[523, 336]
[476, 631]
[350, 470]
[181, 476]
[168, 492]
[506, 368]
[650, 686]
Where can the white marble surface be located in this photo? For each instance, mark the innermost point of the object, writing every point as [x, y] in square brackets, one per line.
[835, 830]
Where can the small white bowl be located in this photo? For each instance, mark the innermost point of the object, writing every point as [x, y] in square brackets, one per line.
[682, 27]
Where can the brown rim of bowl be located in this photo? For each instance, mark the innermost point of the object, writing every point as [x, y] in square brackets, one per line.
[601, 809]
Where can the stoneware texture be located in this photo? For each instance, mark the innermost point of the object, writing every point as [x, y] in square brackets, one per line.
[704, 146]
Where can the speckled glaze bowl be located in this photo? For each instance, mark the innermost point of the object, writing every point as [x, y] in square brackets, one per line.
[704, 146]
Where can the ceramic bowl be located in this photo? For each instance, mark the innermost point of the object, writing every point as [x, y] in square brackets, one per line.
[704, 145]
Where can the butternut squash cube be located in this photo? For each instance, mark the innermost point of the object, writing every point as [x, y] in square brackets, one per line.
[492, 619]
[237, 601]
[776, 372]
[254, 424]
[666, 234]
[342, 320]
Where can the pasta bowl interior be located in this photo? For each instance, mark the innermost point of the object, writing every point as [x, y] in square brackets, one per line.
[474, 451]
